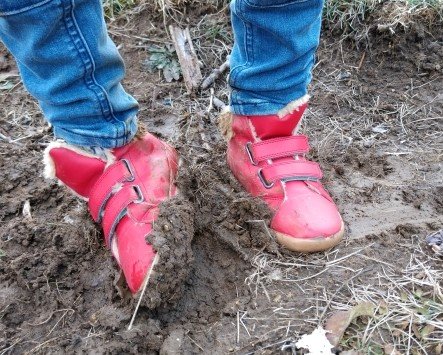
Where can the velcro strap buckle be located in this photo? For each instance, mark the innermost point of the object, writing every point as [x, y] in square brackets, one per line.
[289, 171]
[116, 209]
[102, 190]
[277, 148]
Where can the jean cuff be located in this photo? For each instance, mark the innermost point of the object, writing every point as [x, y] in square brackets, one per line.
[104, 140]
[247, 105]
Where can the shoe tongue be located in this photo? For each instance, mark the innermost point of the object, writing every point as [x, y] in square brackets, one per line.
[272, 126]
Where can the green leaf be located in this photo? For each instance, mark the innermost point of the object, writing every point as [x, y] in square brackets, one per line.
[163, 58]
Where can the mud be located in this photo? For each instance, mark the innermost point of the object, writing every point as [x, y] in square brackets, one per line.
[374, 129]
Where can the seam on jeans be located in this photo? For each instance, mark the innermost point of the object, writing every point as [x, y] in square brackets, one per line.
[124, 136]
[264, 108]
[89, 141]
[24, 9]
[88, 63]
[248, 43]
[93, 64]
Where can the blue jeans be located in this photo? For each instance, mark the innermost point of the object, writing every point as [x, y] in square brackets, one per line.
[70, 65]
[273, 54]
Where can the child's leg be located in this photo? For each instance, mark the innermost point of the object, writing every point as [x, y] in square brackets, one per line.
[70, 65]
[271, 63]
[273, 53]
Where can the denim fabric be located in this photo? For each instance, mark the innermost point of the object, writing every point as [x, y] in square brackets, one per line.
[68, 62]
[273, 54]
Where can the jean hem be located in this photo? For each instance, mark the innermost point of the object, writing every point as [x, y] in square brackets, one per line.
[93, 141]
[256, 109]
[240, 106]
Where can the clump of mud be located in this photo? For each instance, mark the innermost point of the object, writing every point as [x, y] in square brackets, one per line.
[172, 238]
[226, 211]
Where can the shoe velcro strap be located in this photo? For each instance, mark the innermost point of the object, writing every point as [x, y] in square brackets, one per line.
[116, 209]
[103, 188]
[277, 148]
[289, 171]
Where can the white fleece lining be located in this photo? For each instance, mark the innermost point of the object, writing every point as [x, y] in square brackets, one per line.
[253, 131]
[293, 106]
[114, 249]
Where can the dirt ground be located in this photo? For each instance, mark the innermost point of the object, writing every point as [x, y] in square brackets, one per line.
[375, 123]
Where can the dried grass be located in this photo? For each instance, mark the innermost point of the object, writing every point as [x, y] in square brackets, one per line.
[408, 299]
[355, 17]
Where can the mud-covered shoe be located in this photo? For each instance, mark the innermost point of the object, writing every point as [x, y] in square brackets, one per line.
[124, 188]
[268, 159]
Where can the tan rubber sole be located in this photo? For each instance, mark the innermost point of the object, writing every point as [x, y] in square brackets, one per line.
[310, 245]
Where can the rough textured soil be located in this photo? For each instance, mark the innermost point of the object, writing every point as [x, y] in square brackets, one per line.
[226, 286]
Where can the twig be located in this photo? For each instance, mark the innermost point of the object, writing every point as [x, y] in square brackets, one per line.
[195, 343]
[6, 350]
[145, 283]
[243, 324]
[187, 58]
[63, 316]
[214, 101]
[214, 75]
[361, 61]
[218, 103]
[238, 327]
[8, 75]
[9, 140]
[39, 346]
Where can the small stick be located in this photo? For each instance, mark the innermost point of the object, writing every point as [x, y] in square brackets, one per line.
[211, 105]
[145, 283]
[361, 61]
[9, 139]
[187, 58]
[8, 75]
[196, 344]
[214, 75]
[216, 102]
[238, 327]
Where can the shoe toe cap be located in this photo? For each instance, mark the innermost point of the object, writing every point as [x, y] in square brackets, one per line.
[308, 217]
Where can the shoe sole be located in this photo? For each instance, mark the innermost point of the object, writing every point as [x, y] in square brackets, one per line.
[310, 245]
